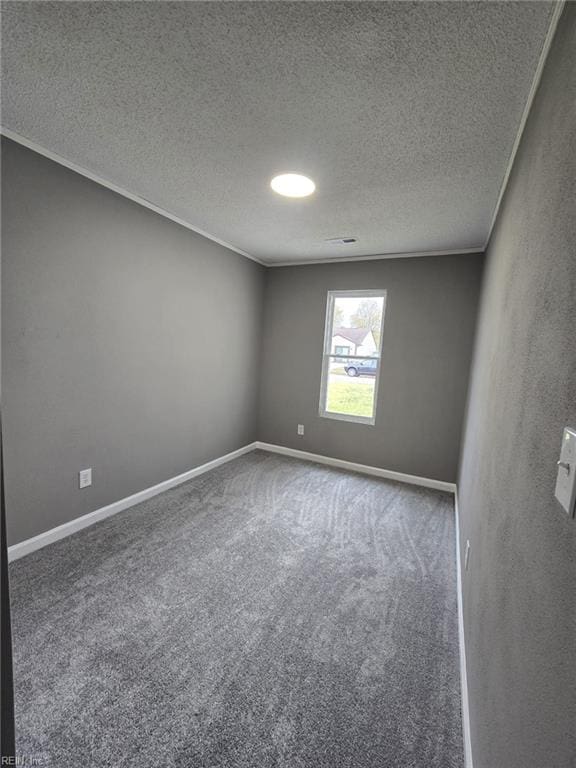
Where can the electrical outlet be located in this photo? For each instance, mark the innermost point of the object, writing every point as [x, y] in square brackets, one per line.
[300, 429]
[85, 478]
[467, 555]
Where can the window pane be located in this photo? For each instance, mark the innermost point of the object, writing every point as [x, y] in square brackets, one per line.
[350, 388]
[356, 325]
[352, 348]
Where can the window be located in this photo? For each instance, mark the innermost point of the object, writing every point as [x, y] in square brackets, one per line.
[338, 350]
[349, 385]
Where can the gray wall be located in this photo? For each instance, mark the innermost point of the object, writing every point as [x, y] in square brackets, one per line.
[520, 589]
[431, 309]
[130, 345]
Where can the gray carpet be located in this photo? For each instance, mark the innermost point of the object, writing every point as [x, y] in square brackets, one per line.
[269, 613]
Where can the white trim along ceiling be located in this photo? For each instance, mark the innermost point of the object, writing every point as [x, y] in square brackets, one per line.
[23, 116]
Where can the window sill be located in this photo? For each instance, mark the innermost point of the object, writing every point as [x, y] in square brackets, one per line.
[347, 417]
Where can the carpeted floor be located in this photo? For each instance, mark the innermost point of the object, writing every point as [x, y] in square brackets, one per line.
[270, 613]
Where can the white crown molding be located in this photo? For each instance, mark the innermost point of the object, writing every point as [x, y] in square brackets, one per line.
[67, 529]
[376, 257]
[559, 7]
[120, 190]
[351, 466]
[55, 157]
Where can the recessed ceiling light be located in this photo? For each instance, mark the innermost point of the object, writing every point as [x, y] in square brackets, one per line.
[292, 185]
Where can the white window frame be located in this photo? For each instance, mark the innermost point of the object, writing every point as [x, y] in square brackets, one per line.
[327, 354]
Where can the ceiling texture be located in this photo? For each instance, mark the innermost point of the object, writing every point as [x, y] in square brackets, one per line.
[404, 114]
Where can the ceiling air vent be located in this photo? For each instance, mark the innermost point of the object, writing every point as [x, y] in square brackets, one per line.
[341, 240]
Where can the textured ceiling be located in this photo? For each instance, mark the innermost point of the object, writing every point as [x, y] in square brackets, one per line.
[403, 113]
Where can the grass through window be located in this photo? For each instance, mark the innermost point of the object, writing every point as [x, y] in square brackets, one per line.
[351, 397]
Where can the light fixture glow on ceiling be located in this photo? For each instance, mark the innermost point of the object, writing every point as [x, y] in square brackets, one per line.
[292, 185]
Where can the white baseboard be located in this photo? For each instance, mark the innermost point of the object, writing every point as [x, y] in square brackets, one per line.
[388, 474]
[468, 763]
[61, 531]
[54, 534]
